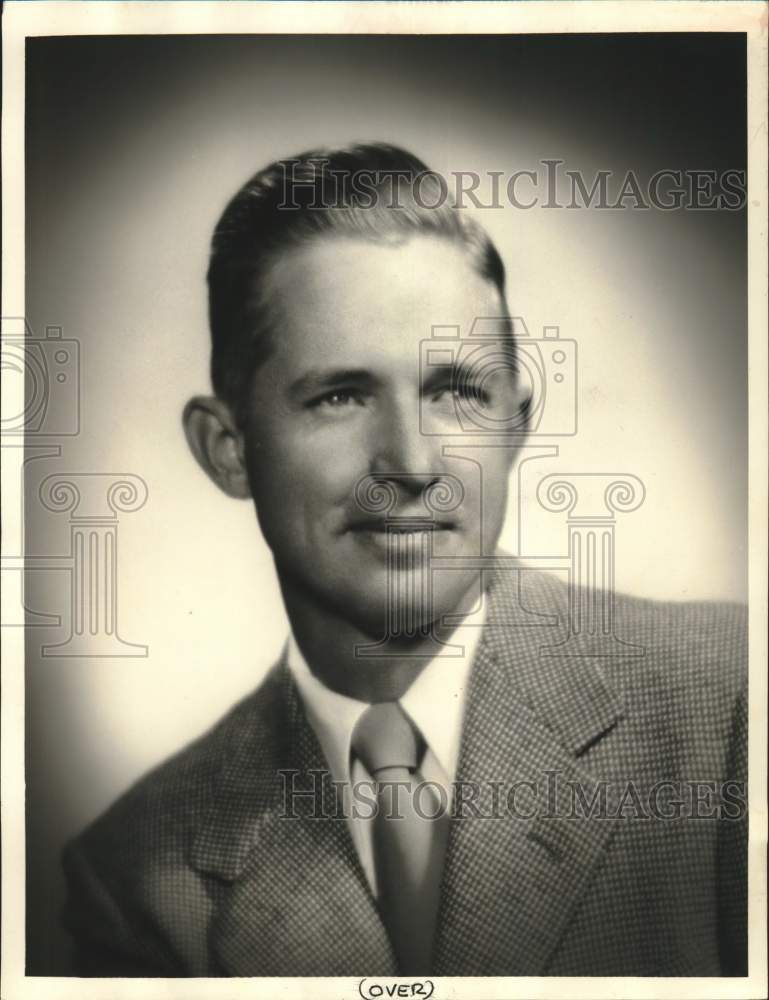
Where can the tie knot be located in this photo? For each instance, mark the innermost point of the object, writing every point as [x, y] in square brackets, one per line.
[385, 737]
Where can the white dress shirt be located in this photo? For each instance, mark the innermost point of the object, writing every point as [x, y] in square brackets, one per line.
[435, 702]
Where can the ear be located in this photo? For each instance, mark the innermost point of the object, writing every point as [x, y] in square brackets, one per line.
[217, 444]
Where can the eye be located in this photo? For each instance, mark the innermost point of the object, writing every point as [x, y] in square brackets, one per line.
[337, 399]
[463, 391]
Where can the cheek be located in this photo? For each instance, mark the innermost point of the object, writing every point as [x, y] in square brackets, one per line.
[491, 500]
[304, 474]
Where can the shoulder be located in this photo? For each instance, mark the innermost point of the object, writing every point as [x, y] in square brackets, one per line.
[162, 811]
[670, 655]
[677, 670]
[700, 643]
[685, 637]
[708, 626]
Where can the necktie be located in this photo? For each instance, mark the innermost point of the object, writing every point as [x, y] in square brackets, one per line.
[409, 839]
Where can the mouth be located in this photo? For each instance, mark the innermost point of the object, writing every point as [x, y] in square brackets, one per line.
[389, 538]
[411, 527]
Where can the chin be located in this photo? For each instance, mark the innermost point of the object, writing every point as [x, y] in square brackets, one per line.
[404, 614]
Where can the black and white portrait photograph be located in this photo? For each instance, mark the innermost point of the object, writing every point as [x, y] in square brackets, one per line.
[384, 447]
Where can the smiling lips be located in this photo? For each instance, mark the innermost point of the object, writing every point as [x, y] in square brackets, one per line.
[390, 538]
[394, 526]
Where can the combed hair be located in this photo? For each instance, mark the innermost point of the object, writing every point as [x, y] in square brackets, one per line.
[372, 191]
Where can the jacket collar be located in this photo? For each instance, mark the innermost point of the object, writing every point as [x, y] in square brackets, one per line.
[247, 786]
[293, 897]
[568, 692]
[515, 869]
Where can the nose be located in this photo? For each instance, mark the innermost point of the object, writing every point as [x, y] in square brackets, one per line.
[401, 452]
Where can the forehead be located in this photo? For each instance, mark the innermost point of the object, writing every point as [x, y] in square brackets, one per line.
[348, 299]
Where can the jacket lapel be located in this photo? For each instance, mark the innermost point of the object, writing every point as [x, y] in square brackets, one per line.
[514, 871]
[292, 898]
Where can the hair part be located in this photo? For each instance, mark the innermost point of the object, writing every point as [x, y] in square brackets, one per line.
[370, 191]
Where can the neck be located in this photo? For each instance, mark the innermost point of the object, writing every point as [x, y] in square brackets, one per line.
[328, 642]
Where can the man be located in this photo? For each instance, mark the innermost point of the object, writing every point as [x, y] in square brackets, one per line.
[416, 787]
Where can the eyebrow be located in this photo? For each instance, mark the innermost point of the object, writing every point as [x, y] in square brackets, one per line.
[456, 374]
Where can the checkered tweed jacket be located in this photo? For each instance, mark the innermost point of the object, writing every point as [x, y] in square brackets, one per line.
[196, 872]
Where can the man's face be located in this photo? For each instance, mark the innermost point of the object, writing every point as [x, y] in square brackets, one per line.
[340, 399]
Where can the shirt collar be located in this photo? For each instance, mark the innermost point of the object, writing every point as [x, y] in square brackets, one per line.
[333, 716]
[435, 702]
